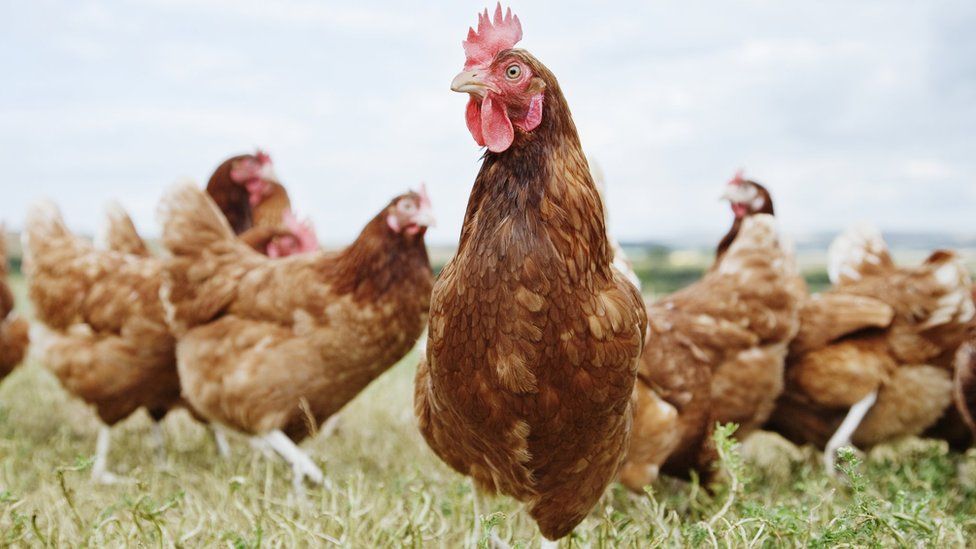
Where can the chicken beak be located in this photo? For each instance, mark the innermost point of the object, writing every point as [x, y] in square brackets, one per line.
[425, 218]
[471, 82]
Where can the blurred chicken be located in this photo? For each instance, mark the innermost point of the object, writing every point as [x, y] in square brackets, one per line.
[106, 338]
[534, 337]
[620, 259]
[965, 383]
[873, 359]
[119, 233]
[257, 206]
[716, 349]
[14, 330]
[275, 347]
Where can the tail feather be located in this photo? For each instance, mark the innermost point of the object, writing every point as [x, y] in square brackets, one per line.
[200, 278]
[119, 233]
[858, 252]
[56, 264]
[191, 221]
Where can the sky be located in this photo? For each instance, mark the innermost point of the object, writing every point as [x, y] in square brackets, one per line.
[846, 110]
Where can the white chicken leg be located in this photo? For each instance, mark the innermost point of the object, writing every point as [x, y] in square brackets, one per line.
[220, 440]
[846, 430]
[302, 466]
[100, 473]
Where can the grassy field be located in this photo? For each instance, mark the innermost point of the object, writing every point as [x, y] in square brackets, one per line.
[385, 489]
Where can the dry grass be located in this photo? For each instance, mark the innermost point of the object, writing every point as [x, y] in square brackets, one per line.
[385, 489]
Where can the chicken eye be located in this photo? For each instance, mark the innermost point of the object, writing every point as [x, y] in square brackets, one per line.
[408, 207]
[513, 72]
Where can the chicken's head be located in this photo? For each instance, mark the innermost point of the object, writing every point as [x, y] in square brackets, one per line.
[300, 239]
[506, 91]
[747, 197]
[254, 172]
[411, 213]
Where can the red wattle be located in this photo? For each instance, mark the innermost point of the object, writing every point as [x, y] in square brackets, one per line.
[496, 127]
[472, 115]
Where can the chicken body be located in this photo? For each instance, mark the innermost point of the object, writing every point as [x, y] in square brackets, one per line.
[14, 330]
[534, 338]
[881, 332]
[106, 338]
[280, 345]
[715, 354]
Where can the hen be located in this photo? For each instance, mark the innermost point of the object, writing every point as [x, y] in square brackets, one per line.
[258, 208]
[14, 330]
[534, 337]
[719, 347]
[273, 347]
[873, 358]
[106, 338]
[964, 383]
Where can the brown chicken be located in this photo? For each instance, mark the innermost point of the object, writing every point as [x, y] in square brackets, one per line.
[965, 384]
[534, 337]
[258, 208]
[273, 347]
[873, 359]
[717, 349]
[14, 330]
[106, 338]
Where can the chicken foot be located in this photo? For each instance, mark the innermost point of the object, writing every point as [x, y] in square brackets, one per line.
[302, 466]
[842, 437]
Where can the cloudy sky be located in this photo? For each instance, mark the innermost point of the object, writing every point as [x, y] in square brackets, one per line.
[846, 110]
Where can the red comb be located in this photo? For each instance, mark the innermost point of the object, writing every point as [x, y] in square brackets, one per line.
[492, 37]
[424, 197]
[263, 157]
[739, 178]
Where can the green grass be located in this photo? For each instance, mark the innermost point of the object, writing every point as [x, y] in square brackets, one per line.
[385, 488]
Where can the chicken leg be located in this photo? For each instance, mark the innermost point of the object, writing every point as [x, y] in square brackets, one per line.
[220, 440]
[842, 437]
[302, 466]
[100, 473]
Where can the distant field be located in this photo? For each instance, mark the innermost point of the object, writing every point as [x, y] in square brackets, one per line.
[385, 489]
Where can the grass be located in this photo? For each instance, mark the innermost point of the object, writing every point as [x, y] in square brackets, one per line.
[385, 489]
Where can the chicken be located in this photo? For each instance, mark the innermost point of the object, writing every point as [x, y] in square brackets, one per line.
[717, 349]
[746, 198]
[258, 208]
[534, 337]
[873, 359]
[620, 259]
[14, 330]
[274, 347]
[106, 338]
[964, 384]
